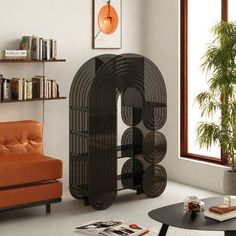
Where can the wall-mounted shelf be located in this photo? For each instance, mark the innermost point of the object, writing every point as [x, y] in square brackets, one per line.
[41, 62]
[33, 100]
[30, 61]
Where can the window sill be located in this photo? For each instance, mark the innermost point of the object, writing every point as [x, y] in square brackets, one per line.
[207, 161]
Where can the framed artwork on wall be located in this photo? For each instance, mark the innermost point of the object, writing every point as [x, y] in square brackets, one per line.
[107, 22]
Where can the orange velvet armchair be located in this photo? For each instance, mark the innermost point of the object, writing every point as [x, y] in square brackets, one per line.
[27, 177]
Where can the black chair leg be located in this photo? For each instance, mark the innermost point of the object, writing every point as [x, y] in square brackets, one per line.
[48, 208]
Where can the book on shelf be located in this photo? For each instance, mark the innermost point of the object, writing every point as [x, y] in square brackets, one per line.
[44, 49]
[1, 87]
[111, 228]
[53, 48]
[26, 43]
[15, 54]
[24, 90]
[16, 89]
[35, 48]
[6, 89]
[38, 87]
[40, 48]
[28, 89]
[47, 49]
[21, 89]
[55, 89]
[49, 87]
[1, 54]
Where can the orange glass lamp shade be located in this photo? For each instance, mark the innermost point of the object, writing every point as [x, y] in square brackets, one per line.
[107, 19]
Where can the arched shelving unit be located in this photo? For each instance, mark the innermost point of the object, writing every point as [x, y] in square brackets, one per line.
[93, 128]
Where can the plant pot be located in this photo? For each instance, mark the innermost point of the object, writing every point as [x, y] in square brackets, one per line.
[229, 182]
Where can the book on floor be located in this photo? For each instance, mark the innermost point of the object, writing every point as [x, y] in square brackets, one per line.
[112, 228]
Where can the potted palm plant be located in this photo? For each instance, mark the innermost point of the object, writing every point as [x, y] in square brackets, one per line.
[220, 63]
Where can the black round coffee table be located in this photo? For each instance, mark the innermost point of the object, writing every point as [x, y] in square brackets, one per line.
[174, 215]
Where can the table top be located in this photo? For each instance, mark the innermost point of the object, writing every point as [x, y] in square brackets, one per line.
[175, 215]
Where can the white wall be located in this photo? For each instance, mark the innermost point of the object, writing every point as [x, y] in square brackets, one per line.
[70, 23]
[162, 46]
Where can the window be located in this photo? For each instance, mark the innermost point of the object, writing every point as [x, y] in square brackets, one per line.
[197, 18]
[231, 11]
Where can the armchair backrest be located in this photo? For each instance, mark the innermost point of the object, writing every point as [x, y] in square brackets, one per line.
[20, 137]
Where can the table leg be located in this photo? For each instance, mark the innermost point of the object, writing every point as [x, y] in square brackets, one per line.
[164, 229]
[230, 233]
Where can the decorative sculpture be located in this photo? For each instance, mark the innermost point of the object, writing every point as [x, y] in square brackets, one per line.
[93, 128]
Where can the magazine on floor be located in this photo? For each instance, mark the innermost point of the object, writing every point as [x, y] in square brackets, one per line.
[111, 228]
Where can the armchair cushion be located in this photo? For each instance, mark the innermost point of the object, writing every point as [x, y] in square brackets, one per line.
[20, 169]
[21, 137]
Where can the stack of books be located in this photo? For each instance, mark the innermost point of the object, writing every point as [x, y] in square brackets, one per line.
[39, 48]
[32, 48]
[111, 228]
[20, 89]
[42, 87]
[221, 212]
[26, 89]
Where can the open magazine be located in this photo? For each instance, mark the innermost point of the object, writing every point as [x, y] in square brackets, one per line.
[112, 228]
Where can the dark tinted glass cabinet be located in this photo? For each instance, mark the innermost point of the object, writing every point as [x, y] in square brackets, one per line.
[94, 152]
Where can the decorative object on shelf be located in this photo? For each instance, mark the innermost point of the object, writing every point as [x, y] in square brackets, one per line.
[219, 101]
[93, 128]
[107, 24]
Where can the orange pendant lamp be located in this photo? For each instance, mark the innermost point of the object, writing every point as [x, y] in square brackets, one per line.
[108, 19]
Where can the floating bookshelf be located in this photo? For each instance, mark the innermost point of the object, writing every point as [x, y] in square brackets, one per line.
[30, 61]
[33, 100]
